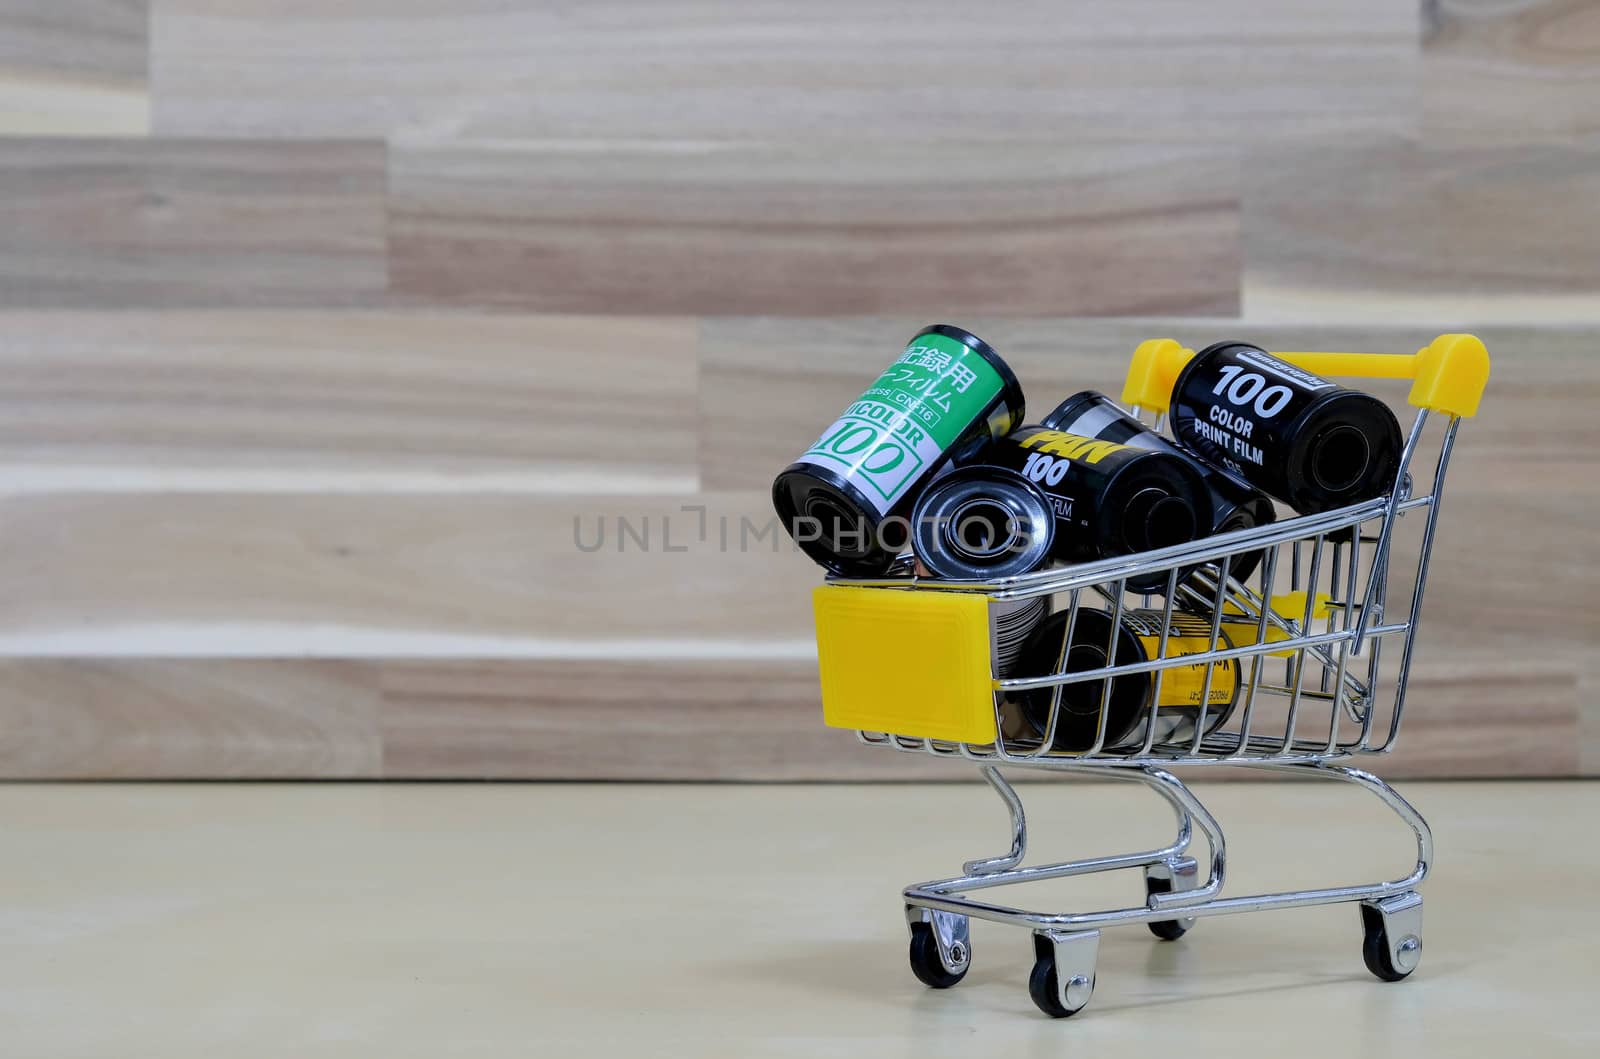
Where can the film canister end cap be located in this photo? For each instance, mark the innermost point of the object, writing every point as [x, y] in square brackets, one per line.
[1351, 456]
[847, 540]
[1092, 637]
[982, 522]
[1155, 518]
[1339, 458]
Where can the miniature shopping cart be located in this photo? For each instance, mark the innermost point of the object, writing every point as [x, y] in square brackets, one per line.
[1303, 665]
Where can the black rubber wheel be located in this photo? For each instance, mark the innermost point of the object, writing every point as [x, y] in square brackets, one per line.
[1165, 929]
[1375, 947]
[925, 962]
[1042, 984]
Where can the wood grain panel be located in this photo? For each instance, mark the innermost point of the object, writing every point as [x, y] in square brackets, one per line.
[360, 402]
[761, 720]
[1086, 229]
[106, 223]
[74, 68]
[1490, 713]
[730, 720]
[395, 575]
[278, 497]
[1589, 717]
[183, 719]
[1447, 234]
[673, 676]
[749, 719]
[774, 71]
[1523, 70]
[1508, 573]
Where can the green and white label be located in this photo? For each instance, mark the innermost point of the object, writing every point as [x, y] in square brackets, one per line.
[888, 439]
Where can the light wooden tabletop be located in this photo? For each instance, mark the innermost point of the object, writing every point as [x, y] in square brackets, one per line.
[435, 920]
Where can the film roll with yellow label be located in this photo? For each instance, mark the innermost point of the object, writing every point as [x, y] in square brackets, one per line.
[1234, 505]
[1137, 640]
[1107, 498]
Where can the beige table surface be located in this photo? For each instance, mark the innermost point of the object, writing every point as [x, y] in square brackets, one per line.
[436, 920]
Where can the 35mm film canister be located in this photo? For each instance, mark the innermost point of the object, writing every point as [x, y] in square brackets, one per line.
[1234, 505]
[1108, 499]
[1137, 640]
[845, 498]
[1309, 442]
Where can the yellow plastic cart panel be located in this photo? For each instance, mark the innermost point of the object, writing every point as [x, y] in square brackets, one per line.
[907, 663]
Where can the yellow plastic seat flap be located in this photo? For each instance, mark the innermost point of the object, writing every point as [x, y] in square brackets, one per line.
[912, 663]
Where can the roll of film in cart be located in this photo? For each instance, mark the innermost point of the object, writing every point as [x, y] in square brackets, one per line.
[1271, 645]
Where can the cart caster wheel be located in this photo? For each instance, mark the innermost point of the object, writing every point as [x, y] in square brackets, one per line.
[941, 946]
[1045, 988]
[1391, 944]
[1063, 971]
[1180, 873]
[925, 961]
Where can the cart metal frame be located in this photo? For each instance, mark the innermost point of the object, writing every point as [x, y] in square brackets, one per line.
[1335, 699]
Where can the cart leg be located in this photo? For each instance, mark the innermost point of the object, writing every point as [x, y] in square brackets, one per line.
[1398, 805]
[1001, 871]
[1155, 779]
[1392, 942]
[1019, 828]
[941, 946]
[1189, 808]
[1174, 875]
[1063, 970]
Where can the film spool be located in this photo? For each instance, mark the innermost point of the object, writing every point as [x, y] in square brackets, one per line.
[1014, 621]
[844, 500]
[1309, 442]
[1234, 505]
[1137, 640]
[1107, 499]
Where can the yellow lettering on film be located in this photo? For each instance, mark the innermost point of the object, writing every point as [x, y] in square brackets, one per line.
[1070, 446]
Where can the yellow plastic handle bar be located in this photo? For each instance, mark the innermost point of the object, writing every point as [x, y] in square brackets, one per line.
[1447, 375]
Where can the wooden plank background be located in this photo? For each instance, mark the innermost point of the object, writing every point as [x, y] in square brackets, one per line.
[332, 332]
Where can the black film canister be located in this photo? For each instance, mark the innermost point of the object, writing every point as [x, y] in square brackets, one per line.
[1108, 499]
[1234, 505]
[1309, 442]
